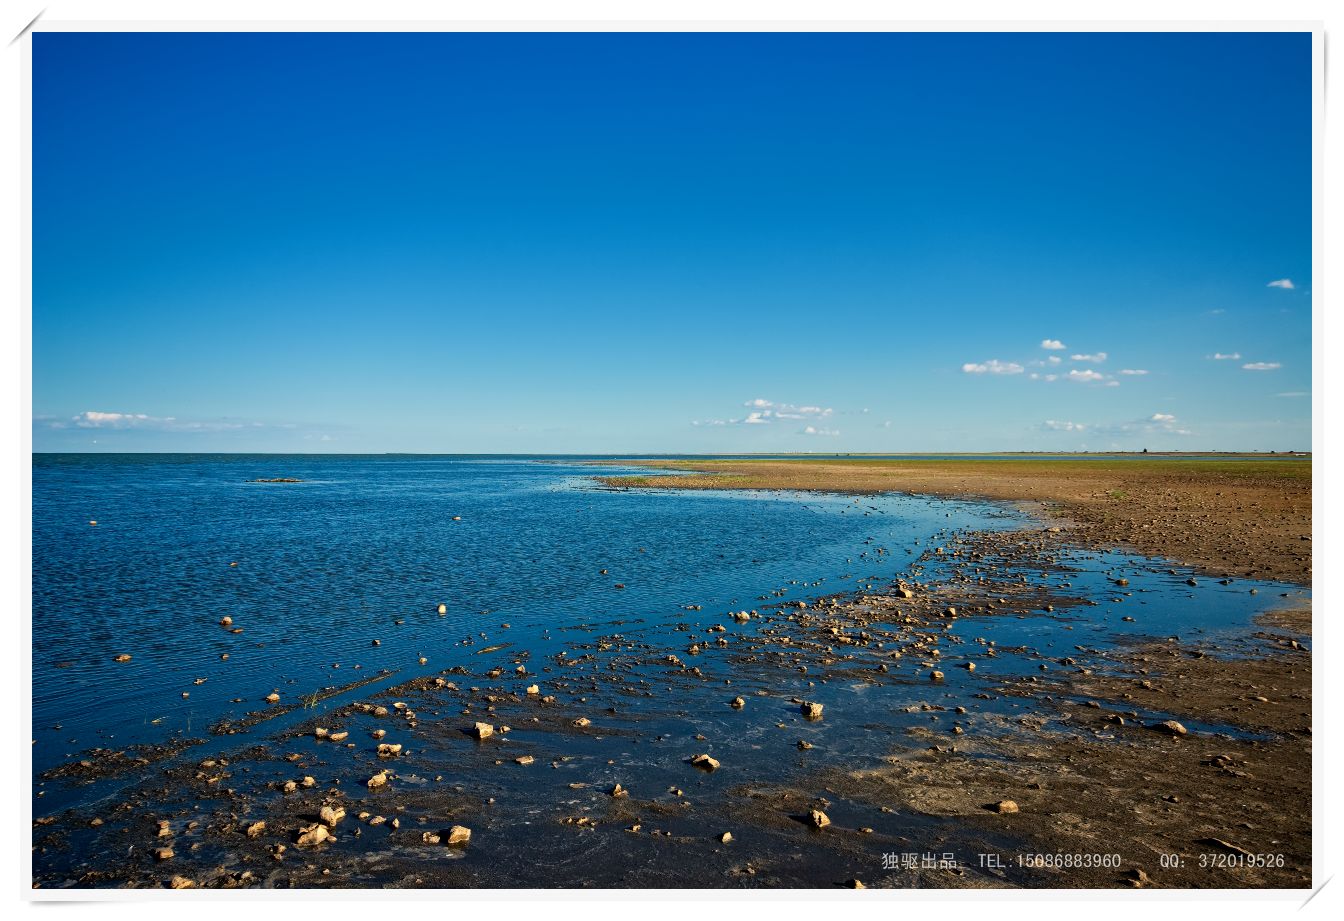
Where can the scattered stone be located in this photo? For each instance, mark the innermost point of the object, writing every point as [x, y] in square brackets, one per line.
[1171, 727]
[458, 835]
[619, 791]
[256, 829]
[122, 658]
[726, 837]
[312, 835]
[429, 838]
[181, 882]
[338, 736]
[705, 762]
[377, 780]
[163, 853]
[737, 703]
[819, 819]
[1005, 807]
[812, 710]
[482, 730]
[330, 815]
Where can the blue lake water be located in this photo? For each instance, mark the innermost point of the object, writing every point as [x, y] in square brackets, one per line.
[366, 548]
[326, 566]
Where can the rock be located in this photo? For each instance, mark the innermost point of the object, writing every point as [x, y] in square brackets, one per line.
[256, 829]
[705, 762]
[458, 835]
[935, 675]
[272, 698]
[737, 703]
[819, 819]
[1171, 727]
[855, 884]
[289, 786]
[378, 733]
[181, 882]
[619, 791]
[330, 815]
[389, 749]
[443, 609]
[308, 782]
[533, 690]
[1005, 807]
[429, 837]
[338, 736]
[726, 837]
[163, 853]
[812, 710]
[319, 733]
[524, 759]
[804, 745]
[969, 666]
[904, 592]
[377, 780]
[122, 658]
[482, 731]
[1136, 877]
[312, 835]
[582, 722]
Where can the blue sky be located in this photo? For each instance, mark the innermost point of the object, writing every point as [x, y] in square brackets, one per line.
[660, 242]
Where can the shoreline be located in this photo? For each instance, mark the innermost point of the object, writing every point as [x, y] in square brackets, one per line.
[1194, 511]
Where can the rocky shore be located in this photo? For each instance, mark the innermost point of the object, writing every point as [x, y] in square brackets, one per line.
[995, 716]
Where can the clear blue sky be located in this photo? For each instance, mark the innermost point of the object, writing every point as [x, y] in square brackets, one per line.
[659, 242]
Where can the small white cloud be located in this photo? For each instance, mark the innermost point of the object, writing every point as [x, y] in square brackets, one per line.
[1096, 357]
[1229, 356]
[1085, 376]
[812, 430]
[1284, 283]
[1162, 417]
[755, 419]
[1053, 425]
[1295, 393]
[1053, 345]
[993, 366]
[1133, 372]
[1261, 366]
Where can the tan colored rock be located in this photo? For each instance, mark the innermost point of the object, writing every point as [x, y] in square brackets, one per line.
[124, 657]
[338, 736]
[429, 837]
[482, 730]
[272, 698]
[533, 690]
[163, 853]
[181, 882]
[1005, 807]
[737, 703]
[389, 749]
[705, 762]
[819, 819]
[330, 815]
[524, 759]
[312, 835]
[582, 722]
[812, 710]
[377, 780]
[458, 836]
[256, 829]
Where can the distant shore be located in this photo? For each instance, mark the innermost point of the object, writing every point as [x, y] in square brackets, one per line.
[1245, 517]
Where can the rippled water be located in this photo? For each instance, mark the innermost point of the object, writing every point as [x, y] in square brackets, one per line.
[326, 566]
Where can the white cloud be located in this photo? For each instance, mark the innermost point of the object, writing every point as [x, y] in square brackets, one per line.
[1156, 424]
[97, 419]
[768, 408]
[1295, 393]
[1133, 372]
[1085, 376]
[1284, 283]
[1261, 366]
[1230, 356]
[755, 419]
[1053, 344]
[1097, 357]
[993, 366]
[812, 430]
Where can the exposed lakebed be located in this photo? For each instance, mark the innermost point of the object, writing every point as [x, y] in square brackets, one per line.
[366, 549]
